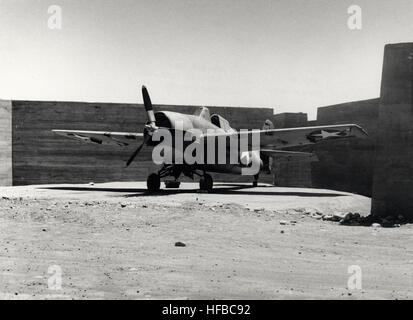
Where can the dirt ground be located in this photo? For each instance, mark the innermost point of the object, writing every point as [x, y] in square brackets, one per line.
[113, 241]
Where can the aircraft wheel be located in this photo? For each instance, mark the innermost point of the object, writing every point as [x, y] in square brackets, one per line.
[153, 182]
[206, 183]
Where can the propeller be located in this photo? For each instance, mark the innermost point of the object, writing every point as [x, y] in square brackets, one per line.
[150, 126]
[137, 151]
[148, 106]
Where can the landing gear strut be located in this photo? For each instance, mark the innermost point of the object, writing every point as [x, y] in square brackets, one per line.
[154, 180]
[255, 182]
[206, 183]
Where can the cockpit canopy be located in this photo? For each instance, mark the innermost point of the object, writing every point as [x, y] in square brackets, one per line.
[220, 122]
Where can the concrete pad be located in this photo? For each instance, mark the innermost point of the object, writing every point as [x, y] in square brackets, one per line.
[113, 241]
[264, 196]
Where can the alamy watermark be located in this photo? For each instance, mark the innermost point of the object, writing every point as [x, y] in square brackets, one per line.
[354, 282]
[354, 21]
[55, 20]
[54, 282]
[197, 147]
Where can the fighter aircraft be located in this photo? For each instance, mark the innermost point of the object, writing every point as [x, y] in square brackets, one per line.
[272, 142]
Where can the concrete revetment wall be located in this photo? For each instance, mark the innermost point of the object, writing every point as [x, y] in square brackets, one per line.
[6, 178]
[393, 179]
[290, 120]
[42, 157]
[347, 165]
[292, 173]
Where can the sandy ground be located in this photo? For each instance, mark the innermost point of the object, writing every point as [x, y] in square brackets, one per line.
[113, 241]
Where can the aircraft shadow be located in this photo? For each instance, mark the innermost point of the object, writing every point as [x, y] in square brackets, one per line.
[120, 190]
[231, 189]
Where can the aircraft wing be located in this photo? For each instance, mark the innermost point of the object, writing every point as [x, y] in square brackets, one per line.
[293, 137]
[122, 139]
[289, 154]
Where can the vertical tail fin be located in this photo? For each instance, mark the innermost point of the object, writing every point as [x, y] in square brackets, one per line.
[268, 125]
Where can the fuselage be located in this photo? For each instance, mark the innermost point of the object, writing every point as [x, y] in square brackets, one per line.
[174, 121]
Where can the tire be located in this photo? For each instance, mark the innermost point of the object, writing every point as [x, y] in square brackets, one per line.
[153, 182]
[206, 183]
[202, 183]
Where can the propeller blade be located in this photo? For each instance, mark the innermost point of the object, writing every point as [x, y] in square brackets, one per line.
[135, 153]
[148, 105]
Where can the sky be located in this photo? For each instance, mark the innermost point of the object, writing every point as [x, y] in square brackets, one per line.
[291, 55]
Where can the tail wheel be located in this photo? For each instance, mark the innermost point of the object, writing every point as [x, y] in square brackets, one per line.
[206, 183]
[153, 182]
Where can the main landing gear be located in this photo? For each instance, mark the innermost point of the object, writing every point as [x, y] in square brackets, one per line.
[206, 183]
[255, 182]
[153, 182]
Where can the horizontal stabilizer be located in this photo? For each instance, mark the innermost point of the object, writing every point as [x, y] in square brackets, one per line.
[291, 154]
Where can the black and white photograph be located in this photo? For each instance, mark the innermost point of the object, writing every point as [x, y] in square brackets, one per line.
[206, 150]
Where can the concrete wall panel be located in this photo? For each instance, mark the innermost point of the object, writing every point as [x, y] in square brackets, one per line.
[5, 143]
[393, 177]
[41, 157]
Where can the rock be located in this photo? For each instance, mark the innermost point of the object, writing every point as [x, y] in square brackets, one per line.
[180, 244]
[376, 225]
[310, 211]
[386, 223]
[123, 205]
[328, 217]
[91, 183]
[352, 219]
[339, 215]
[283, 223]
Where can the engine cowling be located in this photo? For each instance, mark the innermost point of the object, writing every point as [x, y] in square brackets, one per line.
[173, 120]
[248, 157]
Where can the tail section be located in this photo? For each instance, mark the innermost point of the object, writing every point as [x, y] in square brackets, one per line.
[268, 125]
